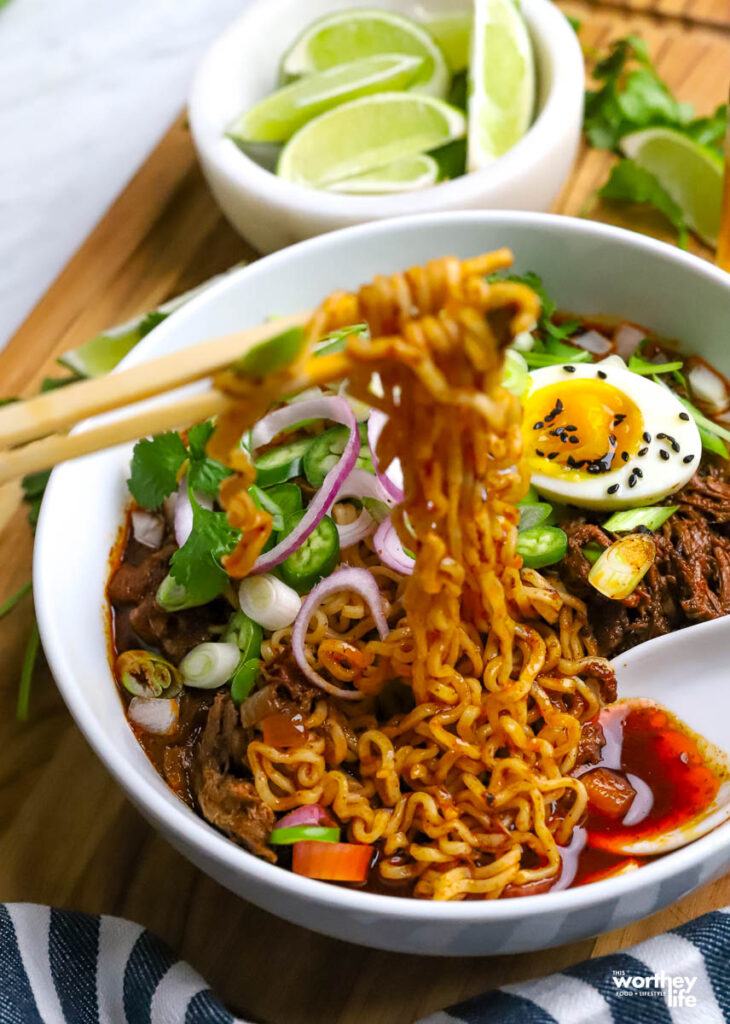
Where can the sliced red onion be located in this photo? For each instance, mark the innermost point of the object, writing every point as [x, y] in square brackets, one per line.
[360, 484]
[364, 584]
[154, 714]
[392, 479]
[626, 338]
[592, 341]
[310, 814]
[184, 511]
[339, 411]
[389, 549]
[148, 528]
[708, 387]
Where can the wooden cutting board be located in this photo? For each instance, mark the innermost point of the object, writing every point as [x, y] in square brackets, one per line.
[68, 836]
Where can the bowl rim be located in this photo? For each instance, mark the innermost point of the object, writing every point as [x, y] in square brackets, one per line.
[565, 66]
[191, 830]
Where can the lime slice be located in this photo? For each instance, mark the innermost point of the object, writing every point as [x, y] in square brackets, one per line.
[689, 172]
[360, 136]
[278, 116]
[101, 354]
[405, 175]
[452, 34]
[345, 36]
[501, 81]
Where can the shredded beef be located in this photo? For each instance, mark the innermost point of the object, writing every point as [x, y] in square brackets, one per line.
[227, 800]
[689, 581]
[591, 744]
[132, 591]
[285, 691]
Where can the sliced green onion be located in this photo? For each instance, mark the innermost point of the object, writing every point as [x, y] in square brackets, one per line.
[533, 515]
[210, 665]
[645, 369]
[296, 833]
[651, 517]
[515, 376]
[376, 508]
[171, 595]
[145, 674]
[244, 679]
[269, 601]
[536, 360]
[541, 545]
[592, 552]
[245, 634]
[712, 434]
[272, 354]
[622, 566]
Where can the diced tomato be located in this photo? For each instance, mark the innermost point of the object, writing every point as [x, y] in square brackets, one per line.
[332, 862]
[282, 731]
[608, 792]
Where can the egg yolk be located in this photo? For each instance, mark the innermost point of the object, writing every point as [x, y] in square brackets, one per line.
[578, 427]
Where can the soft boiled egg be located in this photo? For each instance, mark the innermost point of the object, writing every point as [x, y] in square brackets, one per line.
[602, 437]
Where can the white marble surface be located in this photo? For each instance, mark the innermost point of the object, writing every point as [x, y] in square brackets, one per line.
[87, 87]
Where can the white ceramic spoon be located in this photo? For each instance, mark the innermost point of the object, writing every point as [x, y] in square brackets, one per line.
[688, 673]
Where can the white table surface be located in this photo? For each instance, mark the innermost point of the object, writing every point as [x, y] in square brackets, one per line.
[87, 87]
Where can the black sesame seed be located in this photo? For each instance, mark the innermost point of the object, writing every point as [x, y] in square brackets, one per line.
[612, 439]
[637, 472]
[688, 459]
[569, 369]
[643, 451]
[574, 440]
[538, 426]
[632, 481]
[570, 427]
[559, 404]
[552, 455]
[619, 418]
[612, 489]
[663, 454]
[602, 375]
[538, 452]
[684, 416]
[593, 468]
[625, 456]
[647, 436]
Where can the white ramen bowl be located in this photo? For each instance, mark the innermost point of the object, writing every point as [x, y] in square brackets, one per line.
[241, 67]
[589, 268]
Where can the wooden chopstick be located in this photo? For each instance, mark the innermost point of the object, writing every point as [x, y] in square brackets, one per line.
[64, 407]
[173, 415]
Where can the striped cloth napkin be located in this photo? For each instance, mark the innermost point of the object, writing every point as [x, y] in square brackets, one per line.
[57, 966]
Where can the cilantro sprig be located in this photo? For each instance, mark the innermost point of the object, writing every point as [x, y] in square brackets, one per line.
[197, 565]
[158, 463]
[549, 348]
[632, 96]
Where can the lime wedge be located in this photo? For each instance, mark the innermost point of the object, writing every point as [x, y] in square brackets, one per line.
[276, 118]
[501, 81]
[405, 175]
[452, 34]
[689, 172]
[345, 36]
[360, 136]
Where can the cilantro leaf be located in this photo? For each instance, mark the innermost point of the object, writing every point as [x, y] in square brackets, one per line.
[155, 465]
[630, 183]
[553, 334]
[197, 564]
[205, 474]
[149, 322]
[710, 131]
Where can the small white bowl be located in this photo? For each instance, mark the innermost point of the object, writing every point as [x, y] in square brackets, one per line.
[241, 68]
[589, 268]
